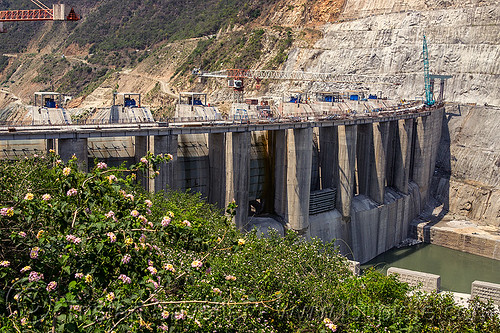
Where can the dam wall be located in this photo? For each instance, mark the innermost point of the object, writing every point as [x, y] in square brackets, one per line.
[358, 182]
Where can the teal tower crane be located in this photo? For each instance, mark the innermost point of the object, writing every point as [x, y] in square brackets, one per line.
[429, 99]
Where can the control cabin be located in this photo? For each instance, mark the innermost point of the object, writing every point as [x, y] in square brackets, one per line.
[128, 99]
[192, 98]
[49, 99]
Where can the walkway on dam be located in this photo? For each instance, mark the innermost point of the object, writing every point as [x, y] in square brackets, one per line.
[153, 129]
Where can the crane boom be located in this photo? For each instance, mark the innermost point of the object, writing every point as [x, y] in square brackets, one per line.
[59, 12]
[262, 74]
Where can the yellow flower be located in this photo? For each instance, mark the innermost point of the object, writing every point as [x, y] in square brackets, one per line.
[10, 212]
[88, 278]
[29, 196]
[52, 151]
[39, 234]
[66, 171]
[171, 214]
[241, 241]
[129, 241]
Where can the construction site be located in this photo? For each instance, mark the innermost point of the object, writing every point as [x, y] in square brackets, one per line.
[380, 128]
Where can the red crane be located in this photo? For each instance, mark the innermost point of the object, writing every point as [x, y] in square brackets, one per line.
[58, 12]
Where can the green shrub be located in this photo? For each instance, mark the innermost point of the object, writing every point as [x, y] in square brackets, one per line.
[93, 252]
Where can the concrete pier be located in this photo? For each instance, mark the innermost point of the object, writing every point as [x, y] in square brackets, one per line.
[50, 145]
[299, 164]
[364, 158]
[402, 147]
[379, 153]
[422, 155]
[328, 156]
[238, 174]
[78, 147]
[217, 169]
[278, 151]
[166, 144]
[346, 172]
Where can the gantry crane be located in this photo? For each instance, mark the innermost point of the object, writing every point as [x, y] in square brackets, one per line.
[59, 12]
[236, 77]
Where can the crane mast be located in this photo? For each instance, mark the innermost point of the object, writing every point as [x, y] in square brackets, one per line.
[429, 99]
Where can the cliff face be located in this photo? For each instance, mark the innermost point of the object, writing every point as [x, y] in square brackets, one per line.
[384, 38]
[467, 175]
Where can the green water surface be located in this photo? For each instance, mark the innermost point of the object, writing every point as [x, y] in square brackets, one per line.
[457, 269]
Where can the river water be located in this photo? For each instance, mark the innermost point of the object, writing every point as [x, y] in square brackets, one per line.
[457, 269]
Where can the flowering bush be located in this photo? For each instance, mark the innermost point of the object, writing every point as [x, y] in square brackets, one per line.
[93, 252]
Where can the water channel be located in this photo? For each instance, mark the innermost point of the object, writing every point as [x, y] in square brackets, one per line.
[457, 269]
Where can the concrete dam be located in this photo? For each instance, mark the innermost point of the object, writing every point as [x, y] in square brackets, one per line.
[358, 181]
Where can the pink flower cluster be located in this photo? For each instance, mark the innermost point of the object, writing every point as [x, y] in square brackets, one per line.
[230, 277]
[76, 308]
[125, 279]
[46, 197]
[51, 286]
[152, 270]
[73, 239]
[7, 211]
[196, 264]
[148, 203]
[134, 213]
[144, 160]
[35, 276]
[111, 178]
[112, 237]
[72, 192]
[126, 258]
[102, 166]
[34, 252]
[165, 221]
[4, 263]
[169, 267]
[180, 315]
[329, 324]
[78, 275]
[186, 223]
[110, 214]
[22, 234]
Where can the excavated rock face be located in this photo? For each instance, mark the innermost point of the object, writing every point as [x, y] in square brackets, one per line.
[468, 170]
[303, 12]
[384, 38]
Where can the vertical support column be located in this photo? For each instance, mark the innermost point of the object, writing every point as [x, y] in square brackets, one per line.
[238, 174]
[166, 144]
[379, 153]
[78, 147]
[441, 90]
[217, 169]
[299, 166]
[347, 165]
[328, 156]
[402, 155]
[364, 157]
[279, 168]
[141, 149]
[50, 145]
[422, 155]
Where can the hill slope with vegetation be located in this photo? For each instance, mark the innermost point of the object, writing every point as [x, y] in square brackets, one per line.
[116, 36]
